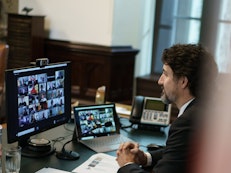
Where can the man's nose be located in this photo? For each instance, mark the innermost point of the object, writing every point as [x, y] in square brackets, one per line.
[160, 80]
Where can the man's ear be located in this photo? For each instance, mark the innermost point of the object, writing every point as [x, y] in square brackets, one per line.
[184, 81]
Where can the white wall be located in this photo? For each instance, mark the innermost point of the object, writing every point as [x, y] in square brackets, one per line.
[133, 25]
[102, 22]
[75, 20]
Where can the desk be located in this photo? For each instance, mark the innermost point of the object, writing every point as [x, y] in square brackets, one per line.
[144, 137]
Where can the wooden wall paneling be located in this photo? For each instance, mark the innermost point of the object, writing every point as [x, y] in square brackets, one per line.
[94, 66]
[25, 38]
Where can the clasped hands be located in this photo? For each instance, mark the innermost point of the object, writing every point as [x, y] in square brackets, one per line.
[129, 152]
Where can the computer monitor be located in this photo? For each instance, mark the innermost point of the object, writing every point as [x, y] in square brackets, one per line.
[37, 99]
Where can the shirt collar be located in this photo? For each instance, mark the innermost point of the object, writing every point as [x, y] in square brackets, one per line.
[182, 109]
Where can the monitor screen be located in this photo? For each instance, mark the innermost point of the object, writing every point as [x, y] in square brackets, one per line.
[37, 99]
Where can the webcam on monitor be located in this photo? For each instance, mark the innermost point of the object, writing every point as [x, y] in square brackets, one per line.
[41, 62]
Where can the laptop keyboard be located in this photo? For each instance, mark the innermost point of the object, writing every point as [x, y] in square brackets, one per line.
[106, 143]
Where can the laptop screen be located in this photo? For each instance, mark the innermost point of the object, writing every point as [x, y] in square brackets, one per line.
[96, 120]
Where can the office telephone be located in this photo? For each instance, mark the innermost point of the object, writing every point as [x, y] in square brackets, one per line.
[150, 111]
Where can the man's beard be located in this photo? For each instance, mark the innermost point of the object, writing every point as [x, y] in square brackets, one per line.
[165, 98]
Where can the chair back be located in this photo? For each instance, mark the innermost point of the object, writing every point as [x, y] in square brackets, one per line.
[4, 49]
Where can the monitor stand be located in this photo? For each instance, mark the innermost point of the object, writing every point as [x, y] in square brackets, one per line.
[36, 148]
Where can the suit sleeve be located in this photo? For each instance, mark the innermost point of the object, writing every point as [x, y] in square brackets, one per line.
[132, 168]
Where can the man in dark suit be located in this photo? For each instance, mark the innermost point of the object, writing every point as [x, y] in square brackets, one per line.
[188, 76]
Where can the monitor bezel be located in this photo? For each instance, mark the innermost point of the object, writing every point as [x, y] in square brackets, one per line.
[100, 107]
[13, 127]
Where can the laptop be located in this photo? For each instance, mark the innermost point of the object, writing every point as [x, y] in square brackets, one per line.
[98, 127]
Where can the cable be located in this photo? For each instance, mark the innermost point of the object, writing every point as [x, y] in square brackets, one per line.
[67, 154]
[66, 128]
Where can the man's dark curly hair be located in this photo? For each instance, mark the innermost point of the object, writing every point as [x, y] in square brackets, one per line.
[194, 62]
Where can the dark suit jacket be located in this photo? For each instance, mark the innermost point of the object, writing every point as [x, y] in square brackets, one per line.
[175, 156]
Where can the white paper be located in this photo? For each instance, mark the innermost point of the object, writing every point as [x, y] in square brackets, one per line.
[51, 170]
[98, 163]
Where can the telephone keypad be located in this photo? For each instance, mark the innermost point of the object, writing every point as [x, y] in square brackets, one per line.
[154, 117]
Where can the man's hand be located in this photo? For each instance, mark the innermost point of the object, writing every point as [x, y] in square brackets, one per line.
[130, 153]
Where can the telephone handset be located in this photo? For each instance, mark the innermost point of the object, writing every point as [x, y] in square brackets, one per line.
[150, 110]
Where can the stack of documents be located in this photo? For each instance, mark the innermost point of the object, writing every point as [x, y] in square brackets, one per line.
[97, 163]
